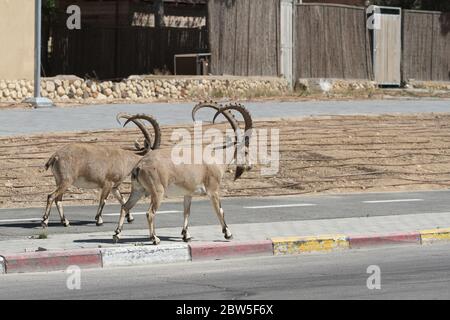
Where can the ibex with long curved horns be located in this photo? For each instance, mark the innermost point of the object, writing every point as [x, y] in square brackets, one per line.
[157, 172]
[92, 166]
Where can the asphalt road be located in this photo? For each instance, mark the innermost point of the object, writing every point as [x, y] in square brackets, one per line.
[27, 121]
[419, 272]
[21, 222]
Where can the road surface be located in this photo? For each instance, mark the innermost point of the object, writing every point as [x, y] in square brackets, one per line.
[24, 222]
[28, 121]
[420, 272]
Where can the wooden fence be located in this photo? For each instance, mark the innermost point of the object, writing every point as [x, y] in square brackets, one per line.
[244, 37]
[331, 41]
[426, 45]
[116, 52]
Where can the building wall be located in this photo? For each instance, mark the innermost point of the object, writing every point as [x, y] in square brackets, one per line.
[16, 39]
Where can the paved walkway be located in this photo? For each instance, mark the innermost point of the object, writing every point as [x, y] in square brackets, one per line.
[241, 232]
[28, 121]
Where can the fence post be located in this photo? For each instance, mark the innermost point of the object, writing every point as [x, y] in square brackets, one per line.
[287, 39]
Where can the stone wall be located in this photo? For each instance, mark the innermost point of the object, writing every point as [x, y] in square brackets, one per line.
[77, 90]
[313, 85]
[429, 85]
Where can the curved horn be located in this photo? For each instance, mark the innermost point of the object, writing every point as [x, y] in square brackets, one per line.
[122, 115]
[156, 128]
[243, 111]
[143, 129]
[205, 104]
[240, 169]
[245, 114]
[227, 114]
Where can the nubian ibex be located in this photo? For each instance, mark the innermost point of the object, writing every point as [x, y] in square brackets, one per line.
[93, 166]
[157, 172]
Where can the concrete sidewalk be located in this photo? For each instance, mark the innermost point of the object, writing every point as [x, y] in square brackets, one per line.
[29, 121]
[96, 250]
[241, 232]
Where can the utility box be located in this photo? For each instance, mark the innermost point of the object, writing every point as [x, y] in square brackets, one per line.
[192, 64]
[386, 44]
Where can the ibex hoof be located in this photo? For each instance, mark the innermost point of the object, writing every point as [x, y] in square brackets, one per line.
[65, 223]
[44, 224]
[130, 220]
[116, 238]
[155, 240]
[187, 239]
[99, 223]
[228, 236]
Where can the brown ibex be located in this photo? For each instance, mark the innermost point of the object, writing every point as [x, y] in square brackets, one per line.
[93, 166]
[157, 172]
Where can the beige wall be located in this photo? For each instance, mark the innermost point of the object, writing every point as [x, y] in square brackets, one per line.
[16, 39]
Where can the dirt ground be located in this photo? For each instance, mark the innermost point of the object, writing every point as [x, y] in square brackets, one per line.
[317, 155]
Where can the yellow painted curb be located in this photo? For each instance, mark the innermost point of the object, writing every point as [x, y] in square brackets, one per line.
[435, 235]
[295, 245]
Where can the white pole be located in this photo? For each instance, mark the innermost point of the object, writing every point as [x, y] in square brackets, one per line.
[37, 101]
[37, 49]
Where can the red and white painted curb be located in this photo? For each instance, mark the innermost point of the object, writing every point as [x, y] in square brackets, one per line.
[220, 250]
[51, 260]
[44, 261]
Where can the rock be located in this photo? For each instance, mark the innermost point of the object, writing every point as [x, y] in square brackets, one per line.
[60, 91]
[79, 92]
[50, 86]
[77, 84]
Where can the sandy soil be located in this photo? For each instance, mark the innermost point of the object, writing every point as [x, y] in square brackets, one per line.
[317, 155]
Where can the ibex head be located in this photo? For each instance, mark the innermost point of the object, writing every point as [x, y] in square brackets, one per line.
[242, 142]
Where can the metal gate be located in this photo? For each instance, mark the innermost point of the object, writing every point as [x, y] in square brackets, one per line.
[387, 47]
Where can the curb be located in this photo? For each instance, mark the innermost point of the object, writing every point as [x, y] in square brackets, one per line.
[52, 260]
[221, 250]
[170, 253]
[2, 265]
[380, 240]
[296, 245]
[128, 256]
[435, 235]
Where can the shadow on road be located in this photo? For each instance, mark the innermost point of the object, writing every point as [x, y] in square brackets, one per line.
[37, 225]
